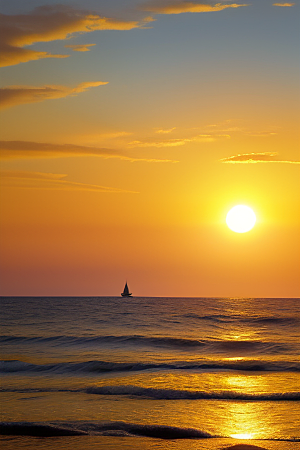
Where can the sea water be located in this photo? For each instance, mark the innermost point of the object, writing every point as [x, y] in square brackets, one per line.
[149, 373]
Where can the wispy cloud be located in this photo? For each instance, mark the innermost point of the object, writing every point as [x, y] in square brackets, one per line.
[26, 149]
[181, 6]
[169, 143]
[266, 157]
[48, 23]
[260, 133]
[108, 135]
[80, 47]
[119, 138]
[40, 180]
[164, 131]
[284, 4]
[228, 126]
[17, 95]
[176, 142]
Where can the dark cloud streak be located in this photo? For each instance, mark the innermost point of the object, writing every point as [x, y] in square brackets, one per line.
[26, 149]
[17, 95]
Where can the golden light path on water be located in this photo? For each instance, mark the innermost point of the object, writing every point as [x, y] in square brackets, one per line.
[242, 436]
[242, 421]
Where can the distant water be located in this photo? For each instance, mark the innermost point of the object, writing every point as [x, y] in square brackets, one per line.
[149, 373]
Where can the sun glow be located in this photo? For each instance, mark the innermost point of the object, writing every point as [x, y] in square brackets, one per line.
[240, 219]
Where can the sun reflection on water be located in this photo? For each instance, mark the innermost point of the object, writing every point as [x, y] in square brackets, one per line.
[242, 436]
[242, 421]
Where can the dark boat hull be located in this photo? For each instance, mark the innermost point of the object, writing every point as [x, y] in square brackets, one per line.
[126, 295]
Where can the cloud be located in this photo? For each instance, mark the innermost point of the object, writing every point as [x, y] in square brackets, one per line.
[260, 133]
[179, 7]
[108, 135]
[179, 141]
[228, 126]
[80, 47]
[103, 139]
[17, 95]
[10, 55]
[161, 131]
[284, 4]
[49, 23]
[267, 157]
[40, 180]
[170, 143]
[26, 149]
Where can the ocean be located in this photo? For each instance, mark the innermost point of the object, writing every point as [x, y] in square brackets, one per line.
[149, 373]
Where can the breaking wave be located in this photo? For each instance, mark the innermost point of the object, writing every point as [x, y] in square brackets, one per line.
[48, 429]
[165, 394]
[172, 394]
[123, 429]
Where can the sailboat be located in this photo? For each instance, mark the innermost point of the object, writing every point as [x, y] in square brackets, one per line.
[126, 292]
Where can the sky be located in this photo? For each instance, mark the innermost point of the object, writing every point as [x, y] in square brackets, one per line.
[129, 128]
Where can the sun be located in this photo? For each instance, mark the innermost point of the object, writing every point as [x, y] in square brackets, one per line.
[241, 219]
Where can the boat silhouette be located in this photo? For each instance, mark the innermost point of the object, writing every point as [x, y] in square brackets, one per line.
[126, 292]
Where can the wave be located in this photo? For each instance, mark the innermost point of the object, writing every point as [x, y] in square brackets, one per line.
[273, 320]
[37, 429]
[175, 394]
[183, 344]
[98, 367]
[224, 318]
[126, 339]
[82, 428]
[49, 429]
[165, 394]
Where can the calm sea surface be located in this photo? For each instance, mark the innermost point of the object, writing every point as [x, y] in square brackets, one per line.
[144, 373]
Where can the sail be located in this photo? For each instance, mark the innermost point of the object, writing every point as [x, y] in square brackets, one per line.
[126, 292]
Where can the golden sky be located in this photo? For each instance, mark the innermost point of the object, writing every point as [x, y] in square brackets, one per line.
[130, 128]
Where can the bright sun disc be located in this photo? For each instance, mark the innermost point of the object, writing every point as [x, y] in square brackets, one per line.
[240, 219]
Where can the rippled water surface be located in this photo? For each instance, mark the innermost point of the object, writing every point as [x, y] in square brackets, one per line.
[121, 373]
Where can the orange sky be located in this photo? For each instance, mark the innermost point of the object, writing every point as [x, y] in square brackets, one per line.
[128, 131]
